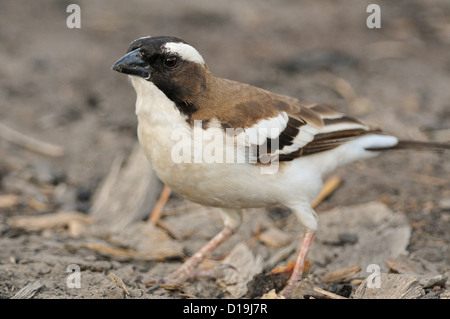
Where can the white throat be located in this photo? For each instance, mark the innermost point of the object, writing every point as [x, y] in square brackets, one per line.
[153, 105]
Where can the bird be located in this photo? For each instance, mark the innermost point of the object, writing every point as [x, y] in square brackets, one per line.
[227, 144]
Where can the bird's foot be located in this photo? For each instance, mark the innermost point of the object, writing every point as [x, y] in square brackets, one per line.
[288, 290]
[176, 280]
[189, 270]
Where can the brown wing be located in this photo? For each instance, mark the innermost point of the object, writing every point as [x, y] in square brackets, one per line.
[305, 128]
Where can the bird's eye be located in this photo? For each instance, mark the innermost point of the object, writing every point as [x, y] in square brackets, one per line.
[171, 61]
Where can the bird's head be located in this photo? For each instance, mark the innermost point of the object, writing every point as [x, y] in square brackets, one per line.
[173, 66]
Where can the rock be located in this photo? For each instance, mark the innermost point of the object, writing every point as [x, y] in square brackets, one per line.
[429, 282]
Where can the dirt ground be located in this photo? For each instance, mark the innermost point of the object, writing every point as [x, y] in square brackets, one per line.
[56, 85]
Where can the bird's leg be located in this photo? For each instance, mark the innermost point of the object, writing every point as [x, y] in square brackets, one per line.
[232, 220]
[297, 272]
[188, 269]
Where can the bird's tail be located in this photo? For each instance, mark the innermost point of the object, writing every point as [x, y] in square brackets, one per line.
[417, 145]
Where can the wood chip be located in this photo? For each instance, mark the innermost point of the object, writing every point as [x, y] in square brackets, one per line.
[147, 242]
[427, 274]
[272, 295]
[112, 251]
[29, 290]
[75, 228]
[326, 293]
[392, 286]
[341, 275]
[204, 222]
[247, 265]
[49, 221]
[275, 238]
[356, 281]
[143, 241]
[9, 201]
[172, 286]
[400, 265]
[306, 289]
[127, 193]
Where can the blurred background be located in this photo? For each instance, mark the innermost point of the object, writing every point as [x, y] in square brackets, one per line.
[57, 87]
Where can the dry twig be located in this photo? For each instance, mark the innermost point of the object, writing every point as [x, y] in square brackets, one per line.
[30, 143]
[117, 252]
[341, 274]
[329, 187]
[114, 278]
[48, 221]
[163, 198]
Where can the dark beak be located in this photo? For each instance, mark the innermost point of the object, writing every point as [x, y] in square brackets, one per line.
[132, 64]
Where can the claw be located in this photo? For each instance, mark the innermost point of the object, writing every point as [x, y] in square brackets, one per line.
[215, 272]
[228, 266]
[166, 283]
[177, 282]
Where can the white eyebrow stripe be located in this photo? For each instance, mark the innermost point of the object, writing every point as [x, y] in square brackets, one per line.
[146, 37]
[185, 51]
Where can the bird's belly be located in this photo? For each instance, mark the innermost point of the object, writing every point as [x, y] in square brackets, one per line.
[219, 185]
[215, 184]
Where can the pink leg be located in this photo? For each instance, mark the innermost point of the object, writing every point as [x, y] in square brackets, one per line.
[188, 269]
[299, 263]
